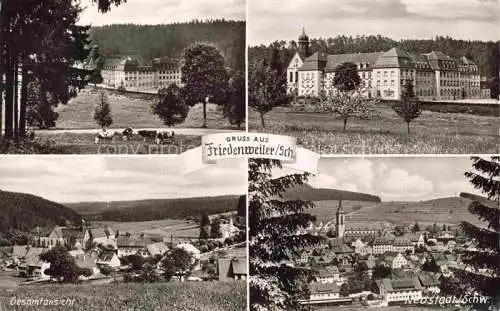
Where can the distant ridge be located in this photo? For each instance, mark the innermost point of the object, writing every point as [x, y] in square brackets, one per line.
[156, 209]
[308, 193]
[22, 211]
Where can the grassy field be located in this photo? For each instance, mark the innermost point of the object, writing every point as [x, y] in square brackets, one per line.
[83, 143]
[130, 110]
[432, 132]
[203, 296]
[165, 227]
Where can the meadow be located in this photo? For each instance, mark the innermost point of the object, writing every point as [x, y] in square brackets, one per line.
[130, 110]
[172, 296]
[83, 143]
[385, 133]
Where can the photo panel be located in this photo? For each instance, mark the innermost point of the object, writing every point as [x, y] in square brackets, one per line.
[376, 77]
[120, 77]
[388, 233]
[122, 233]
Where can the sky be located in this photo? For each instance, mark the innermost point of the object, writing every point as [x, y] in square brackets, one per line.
[163, 11]
[270, 20]
[99, 178]
[396, 178]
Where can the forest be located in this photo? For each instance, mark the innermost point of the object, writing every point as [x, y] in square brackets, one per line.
[151, 41]
[484, 54]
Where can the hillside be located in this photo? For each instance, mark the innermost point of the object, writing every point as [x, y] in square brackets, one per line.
[146, 210]
[308, 193]
[450, 210]
[21, 211]
[152, 41]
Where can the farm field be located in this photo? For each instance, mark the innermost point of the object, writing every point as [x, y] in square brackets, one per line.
[442, 211]
[130, 110]
[431, 133]
[172, 296]
[165, 227]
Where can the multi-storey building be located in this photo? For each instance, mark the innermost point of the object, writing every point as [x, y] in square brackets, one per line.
[132, 74]
[434, 75]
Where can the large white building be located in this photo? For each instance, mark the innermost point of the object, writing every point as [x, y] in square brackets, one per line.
[435, 76]
[132, 74]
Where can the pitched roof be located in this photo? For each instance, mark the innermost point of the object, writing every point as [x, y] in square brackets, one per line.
[320, 288]
[428, 280]
[317, 61]
[157, 248]
[394, 58]
[401, 284]
[33, 256]
[239, 266]
[364, 58]
[132, 241]
[106, 256]
[328, 271]
[20, 251]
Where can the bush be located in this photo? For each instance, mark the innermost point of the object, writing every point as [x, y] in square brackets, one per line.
[106, 270]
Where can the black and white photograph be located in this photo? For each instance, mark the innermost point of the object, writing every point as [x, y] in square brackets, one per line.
[375, 233]
[122, 233]
[120, 77]
[376, 77]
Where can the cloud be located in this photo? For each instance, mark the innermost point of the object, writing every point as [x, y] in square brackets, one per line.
[271, 20]
[398, 183]
[163, 11]
[72, 179]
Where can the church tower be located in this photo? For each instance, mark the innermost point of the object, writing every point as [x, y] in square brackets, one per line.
[340, 226]
[304, 44]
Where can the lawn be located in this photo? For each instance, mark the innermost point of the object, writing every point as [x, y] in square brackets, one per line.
[202, 296]
[130, 110]
[83, 143]
[385, 133]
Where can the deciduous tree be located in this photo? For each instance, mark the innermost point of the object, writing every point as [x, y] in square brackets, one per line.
[349, 104]
[177, 262]
[235, 107]
[204, 76]
[346, 77]
[171, 108]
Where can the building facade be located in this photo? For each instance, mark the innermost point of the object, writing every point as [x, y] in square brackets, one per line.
[434, 75]
[132, 74]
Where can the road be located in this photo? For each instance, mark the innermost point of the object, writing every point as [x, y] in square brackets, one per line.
[179, 131]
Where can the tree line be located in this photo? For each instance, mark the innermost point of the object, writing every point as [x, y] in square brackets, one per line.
[152, 41]
[484, 53]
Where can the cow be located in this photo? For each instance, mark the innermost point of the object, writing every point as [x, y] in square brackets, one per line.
[104, 134]
[127, 133]
[165, 136]
[145, 134]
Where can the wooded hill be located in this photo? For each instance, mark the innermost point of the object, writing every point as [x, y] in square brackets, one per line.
[24, 212]
[152, 41]
[146, 210]
[484, 54]
[308, 193]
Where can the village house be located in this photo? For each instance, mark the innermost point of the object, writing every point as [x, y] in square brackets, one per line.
[69, 236]
[323, 292]
[328, 274]
[232, 269]
[400, 290]
[430, 282]
[109, 259]
[32, 266]
[130, 245]
[227, 228]
[157, 249]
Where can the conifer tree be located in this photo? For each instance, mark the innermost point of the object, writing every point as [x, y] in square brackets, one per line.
[408, 108]
[483, 274]
[102, 112]
[275, 241]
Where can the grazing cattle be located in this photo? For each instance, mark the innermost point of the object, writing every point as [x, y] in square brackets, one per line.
[104, 135]
[127, 133]
[165, 137]
[147, 134]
